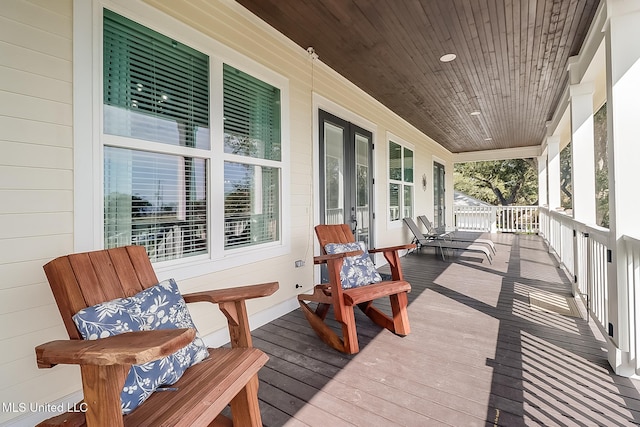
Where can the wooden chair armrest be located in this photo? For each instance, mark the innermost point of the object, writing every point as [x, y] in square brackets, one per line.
[132, 348]
[393, 248]
[231, 302]
[321, 259]
[240, 293]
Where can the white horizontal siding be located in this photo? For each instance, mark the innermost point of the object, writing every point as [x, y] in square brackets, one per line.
[51, 17]
[26, 321]
[26, 343]
[34, 108]
[35, 62]
[23, 273]
[29, 201]
[20, 154]
[30, 37]
[17, 129]
[27, 178]
[29, 248]
[21, 82]
[36, 190]
[13, 226]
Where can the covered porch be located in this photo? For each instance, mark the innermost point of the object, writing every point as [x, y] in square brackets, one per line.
[478, 354]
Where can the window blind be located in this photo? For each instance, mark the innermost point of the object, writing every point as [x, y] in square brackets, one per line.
[251, 116]
[251, 204]
[408, 165]
[155, 200]
[252, 189]
[155, 88]
[395, 161]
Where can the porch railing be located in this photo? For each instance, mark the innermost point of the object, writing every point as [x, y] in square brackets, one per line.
[584, 252]
[632, 262]
[496, 219]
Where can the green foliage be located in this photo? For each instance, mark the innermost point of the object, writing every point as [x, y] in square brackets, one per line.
[602, 168]
[566, 189]
[515, 182]
[499, 182]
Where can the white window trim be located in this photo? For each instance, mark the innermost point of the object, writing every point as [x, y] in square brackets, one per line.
[88, 157]
[398, 223]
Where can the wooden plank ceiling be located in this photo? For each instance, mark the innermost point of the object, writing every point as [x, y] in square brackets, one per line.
[511, 63]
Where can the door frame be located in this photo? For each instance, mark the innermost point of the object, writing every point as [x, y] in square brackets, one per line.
[322, 103]
[441, 219]
[350, 207]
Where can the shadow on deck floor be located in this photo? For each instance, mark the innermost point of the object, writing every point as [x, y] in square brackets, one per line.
[477, 355]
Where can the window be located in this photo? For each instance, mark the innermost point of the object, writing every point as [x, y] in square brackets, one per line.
[161, 153]
[400, 182]
[252, 156]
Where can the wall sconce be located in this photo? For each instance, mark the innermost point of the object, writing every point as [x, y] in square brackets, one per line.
[424, 182]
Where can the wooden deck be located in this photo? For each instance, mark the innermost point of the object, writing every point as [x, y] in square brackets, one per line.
[477, 355]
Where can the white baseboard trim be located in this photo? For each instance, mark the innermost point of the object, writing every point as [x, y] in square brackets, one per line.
[33, 413]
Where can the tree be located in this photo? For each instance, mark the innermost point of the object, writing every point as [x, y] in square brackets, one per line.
[566, 187]
[602, 166]
[499, 182]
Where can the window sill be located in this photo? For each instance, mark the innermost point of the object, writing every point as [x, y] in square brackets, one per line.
[198, 266]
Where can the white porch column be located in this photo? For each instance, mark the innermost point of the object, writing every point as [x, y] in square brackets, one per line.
[553, 171]
[622, 31]
[542, 180]
[583, 178]
[543, 197]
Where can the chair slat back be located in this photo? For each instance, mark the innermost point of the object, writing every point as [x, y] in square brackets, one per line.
[335, 233]
[85, 279]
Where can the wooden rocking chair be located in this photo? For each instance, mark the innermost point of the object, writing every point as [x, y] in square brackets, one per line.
[228, 376]
[343, 300]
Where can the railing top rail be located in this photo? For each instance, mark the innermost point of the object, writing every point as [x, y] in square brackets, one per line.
[497, 206]
[633, 240]
[595, 232]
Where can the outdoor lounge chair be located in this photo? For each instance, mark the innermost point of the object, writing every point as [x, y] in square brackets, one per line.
[439, 243]
[451, 234]
[338, 247]
[98, 282]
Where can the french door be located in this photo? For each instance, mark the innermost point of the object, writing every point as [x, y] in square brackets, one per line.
[346, 181]
[438, 195]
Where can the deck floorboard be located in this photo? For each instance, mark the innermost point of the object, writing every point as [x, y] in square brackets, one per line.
[477, 354]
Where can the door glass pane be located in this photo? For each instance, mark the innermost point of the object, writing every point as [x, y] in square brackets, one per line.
[362, 189]
[438, 195]
[334, 174]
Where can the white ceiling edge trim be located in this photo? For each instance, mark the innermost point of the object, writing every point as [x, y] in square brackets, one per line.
[504, 154]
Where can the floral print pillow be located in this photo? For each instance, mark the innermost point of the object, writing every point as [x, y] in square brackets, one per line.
[356, 270]
[158, 307]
